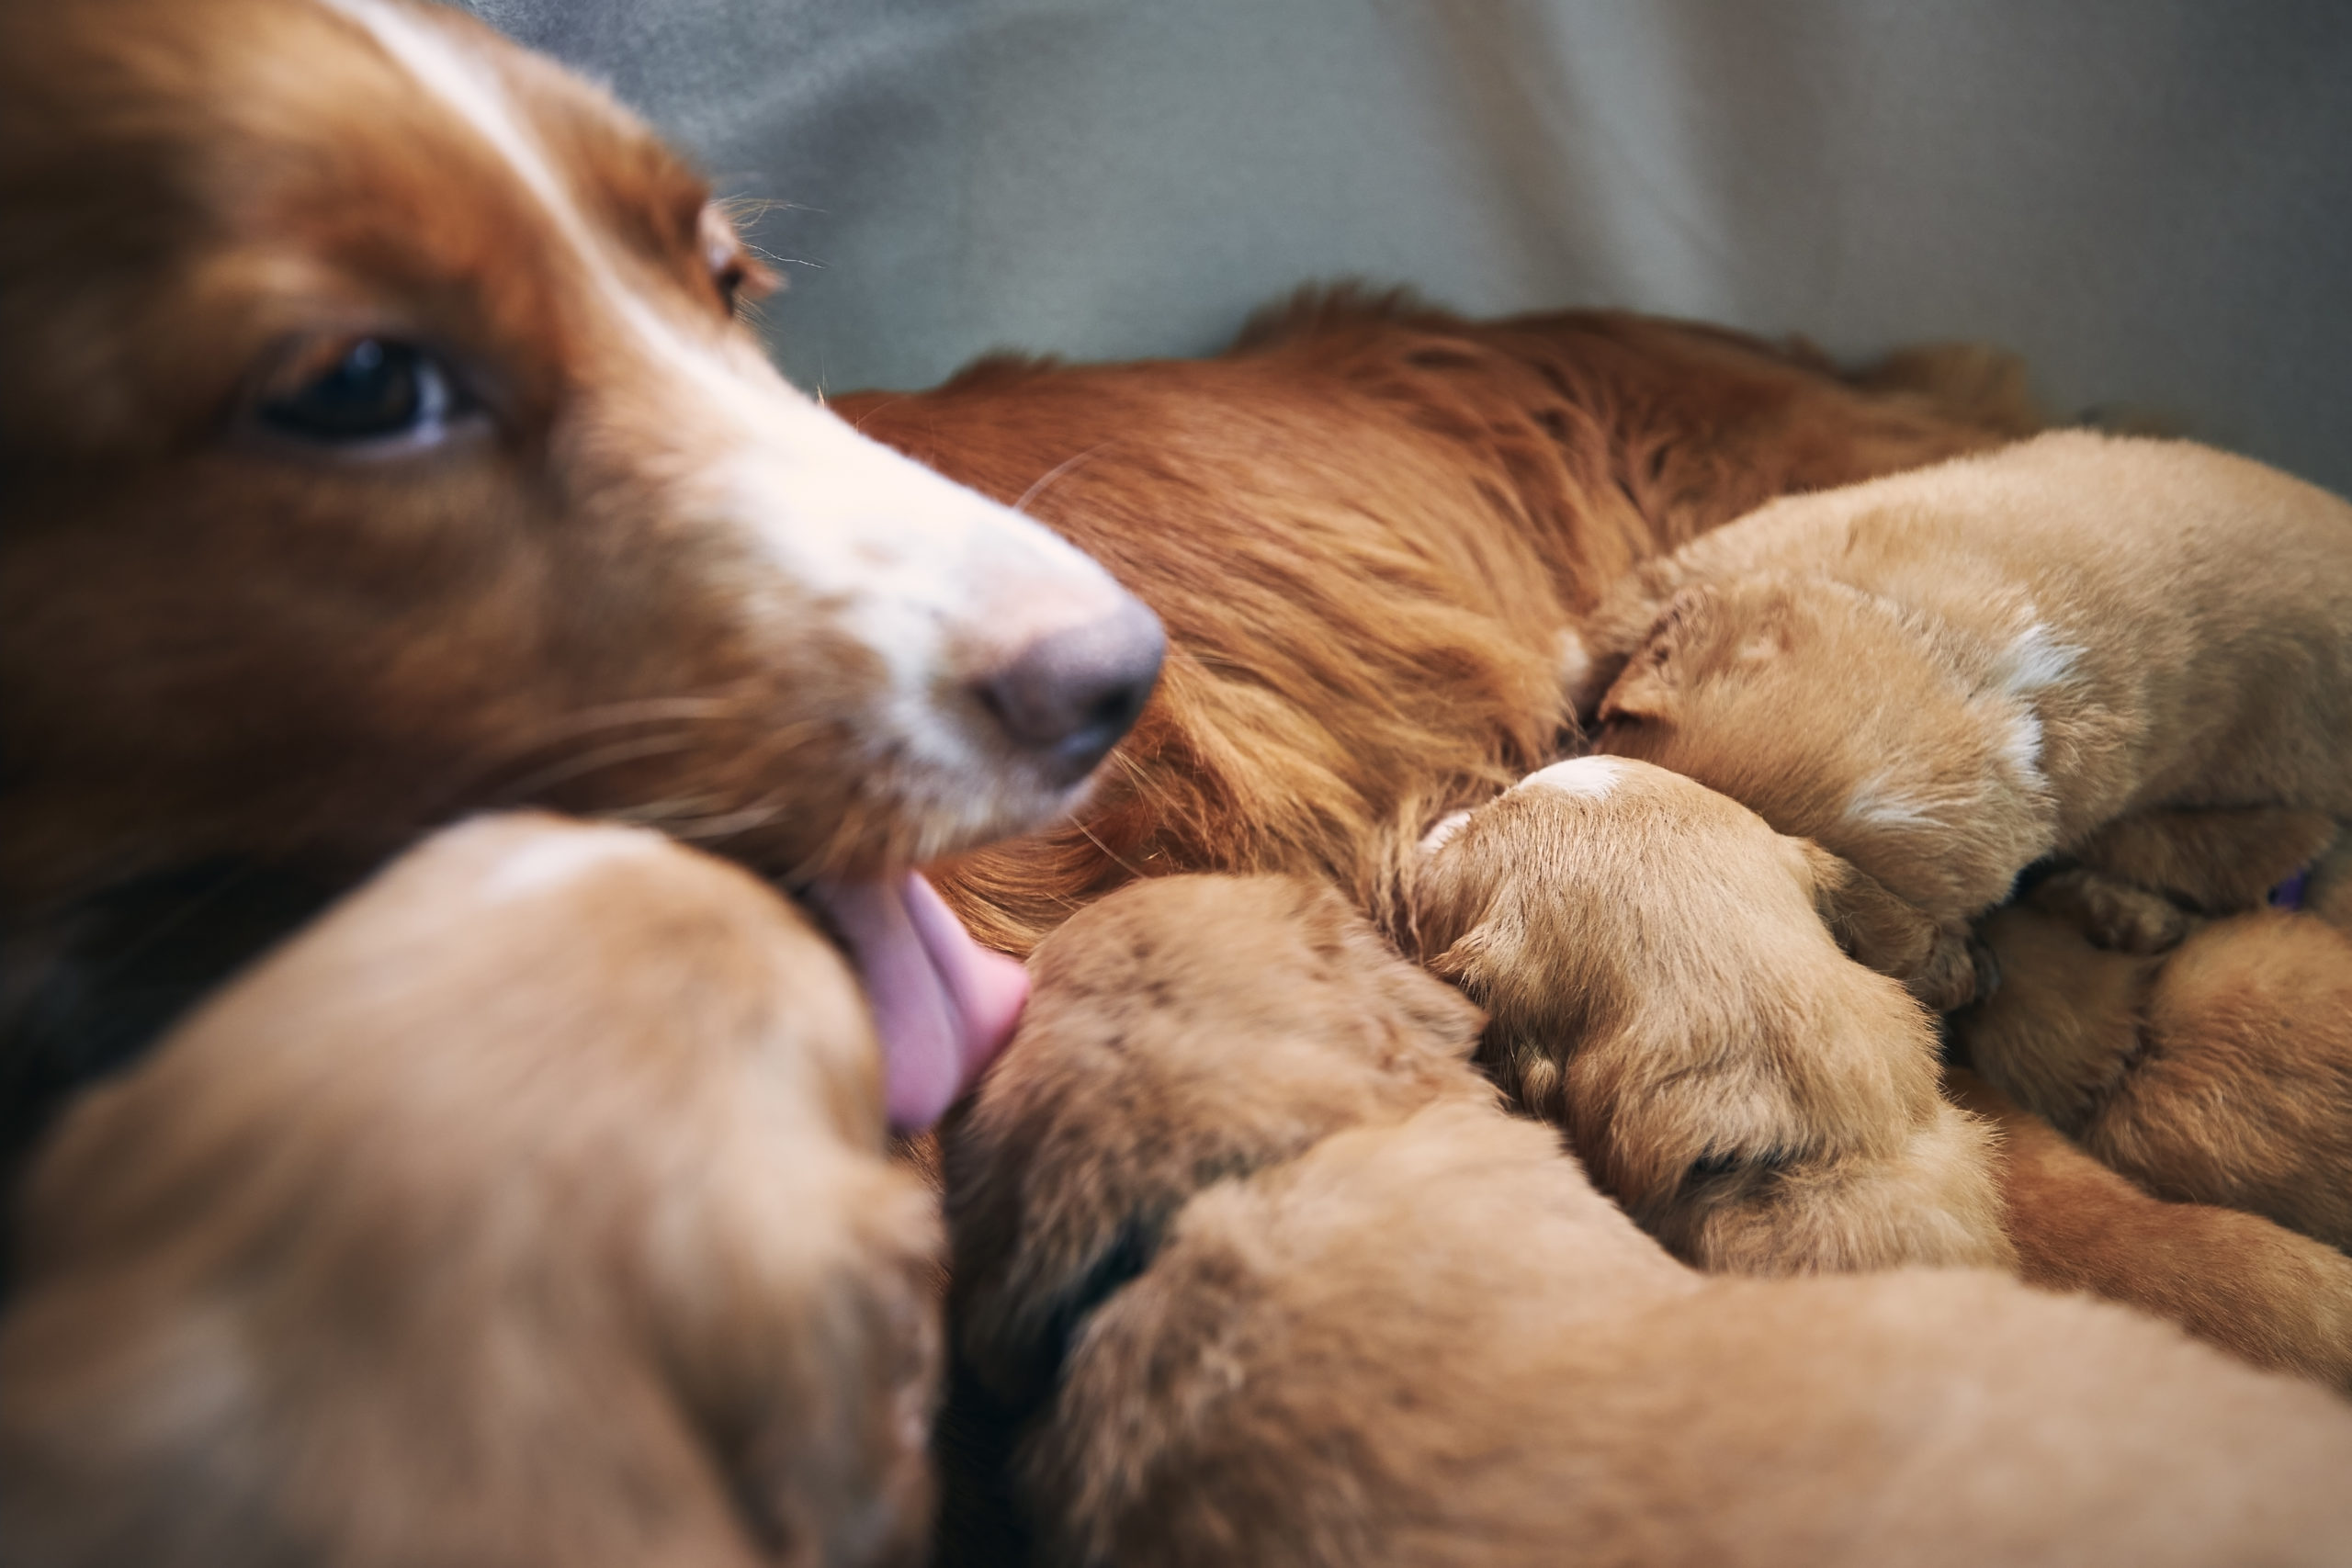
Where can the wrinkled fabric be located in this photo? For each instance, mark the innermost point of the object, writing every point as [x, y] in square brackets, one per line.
[2152, 199]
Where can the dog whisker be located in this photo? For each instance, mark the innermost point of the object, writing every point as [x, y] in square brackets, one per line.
[1055, 474]
[604, 757]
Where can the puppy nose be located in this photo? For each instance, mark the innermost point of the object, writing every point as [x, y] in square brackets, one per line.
[1071, 694]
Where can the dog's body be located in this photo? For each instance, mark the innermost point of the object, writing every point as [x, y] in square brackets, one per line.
[1663, 984]
[2000, 658]
[1292, 1289]
[547, 1220]
[1369, 528]
[2220, 1072]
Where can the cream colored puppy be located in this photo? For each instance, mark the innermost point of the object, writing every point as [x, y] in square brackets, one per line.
[1949, 674]
[1236, 1220]
[1665, 985]
[530, 1207]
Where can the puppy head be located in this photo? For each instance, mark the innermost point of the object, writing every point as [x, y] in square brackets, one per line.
[588, 1182]
[1662, 978]
[1183, 1031]
[1839, 717]
[381, 438]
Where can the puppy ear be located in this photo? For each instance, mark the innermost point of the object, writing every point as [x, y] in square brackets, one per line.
[1650, 684]
[1889, 935]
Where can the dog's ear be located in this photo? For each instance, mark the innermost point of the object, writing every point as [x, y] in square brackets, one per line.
[1889, 935]
[1651, 683]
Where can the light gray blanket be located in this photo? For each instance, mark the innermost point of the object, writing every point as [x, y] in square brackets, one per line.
[2150, 198]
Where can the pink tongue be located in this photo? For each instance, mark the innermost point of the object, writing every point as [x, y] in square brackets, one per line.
[942, 1004]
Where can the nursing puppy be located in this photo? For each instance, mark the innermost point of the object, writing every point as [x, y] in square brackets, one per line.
[548, 1220]
[1653, 979]
[1948, 675]
[2220, 1072]
[1284, 1284]
[1664, 983]
[1368, 527]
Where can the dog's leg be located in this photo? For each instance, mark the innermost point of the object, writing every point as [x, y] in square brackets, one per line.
[2214, 861]
[2234, 1280]
[2064, 1026]
[2244, 1095]
[530, 1207]
[2112, 912]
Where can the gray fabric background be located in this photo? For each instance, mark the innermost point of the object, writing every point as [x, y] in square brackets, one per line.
[2151, 198]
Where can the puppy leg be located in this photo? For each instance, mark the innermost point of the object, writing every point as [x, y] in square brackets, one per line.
[530, 1207]
[2244, 1093]
[2212, 859]
[2111, 912]
[2064, 1024]
[1896, 938]
[2275, 1298]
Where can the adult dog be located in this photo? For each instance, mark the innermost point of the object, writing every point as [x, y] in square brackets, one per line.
[378, 441]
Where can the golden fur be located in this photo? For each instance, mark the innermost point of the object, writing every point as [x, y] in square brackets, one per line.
[1948, 675]
[532, 1207]
[1367, 527]
[1663, 984]
[2218, 1073]
[2233, 1280]
[1284, 1285]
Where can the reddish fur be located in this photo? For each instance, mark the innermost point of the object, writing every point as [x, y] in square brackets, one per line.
[1366, 526]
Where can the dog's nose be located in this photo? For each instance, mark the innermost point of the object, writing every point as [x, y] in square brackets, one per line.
[1071, 694]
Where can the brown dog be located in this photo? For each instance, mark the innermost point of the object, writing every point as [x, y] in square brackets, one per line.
[530, 1207]
[1663, 982]
[379, 439]
[1291, 1288]
[1369, 528]
[1948, 675]
[2218, 1073]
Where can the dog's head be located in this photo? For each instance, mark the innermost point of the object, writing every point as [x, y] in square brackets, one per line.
[1665, 977]
[1183, 1031]
[380, 437]
[1838, 716]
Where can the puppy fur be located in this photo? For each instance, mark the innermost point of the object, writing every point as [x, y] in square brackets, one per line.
[2057, 637]
[2234, 1280]
[532, 1207]
[1663, 983]
[1314, 1298]
[2218, 1073]
[1369, 528]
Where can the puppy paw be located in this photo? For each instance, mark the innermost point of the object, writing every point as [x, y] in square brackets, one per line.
[1954, 974]
[2113, 914]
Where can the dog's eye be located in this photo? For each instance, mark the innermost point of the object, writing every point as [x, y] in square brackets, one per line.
[733, 271]
[380, 394]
